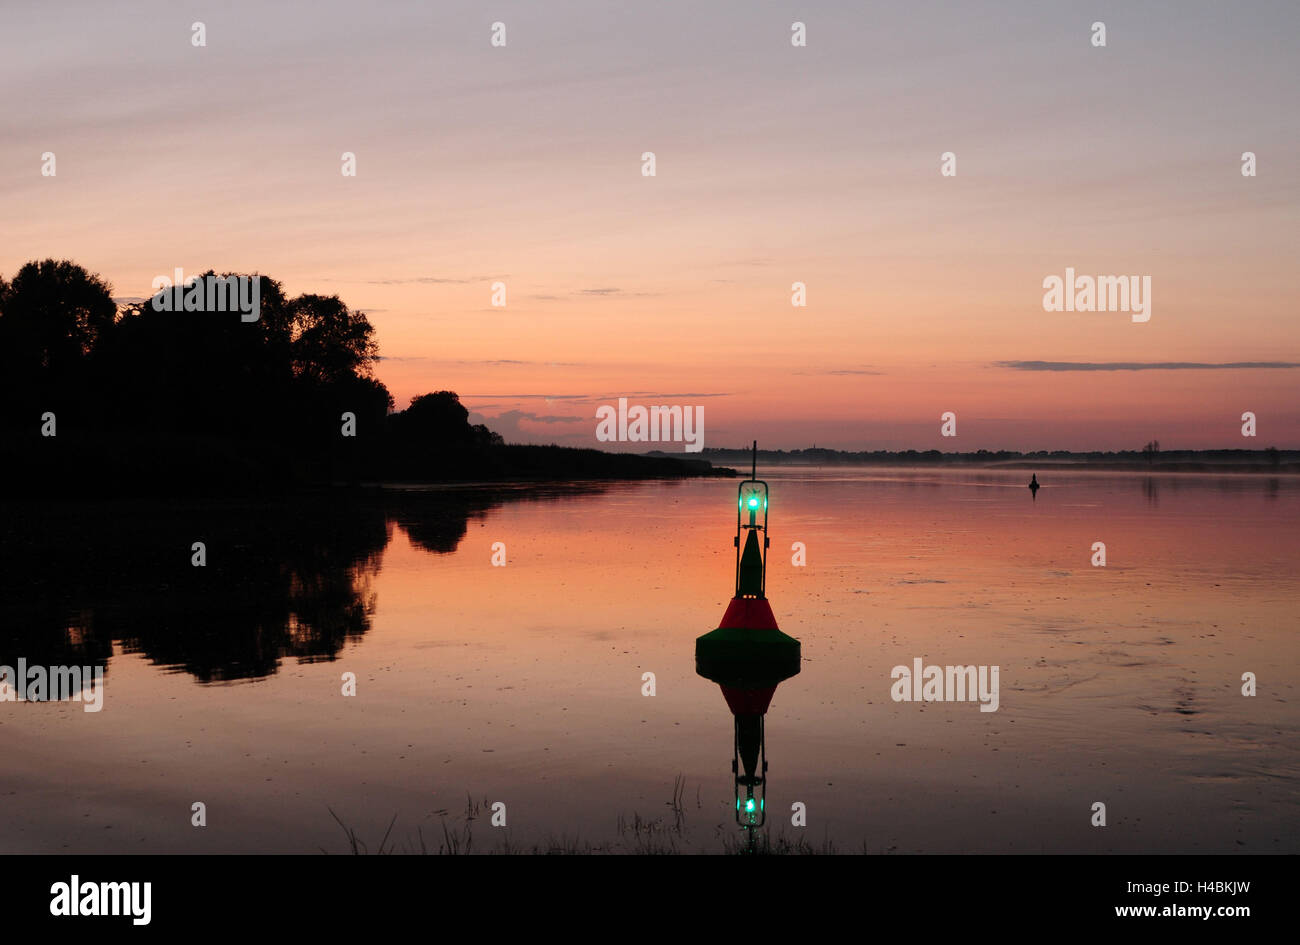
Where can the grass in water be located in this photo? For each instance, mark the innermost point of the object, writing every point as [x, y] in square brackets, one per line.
[637, 836]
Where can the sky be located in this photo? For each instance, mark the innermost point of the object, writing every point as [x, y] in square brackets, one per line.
[774, 164]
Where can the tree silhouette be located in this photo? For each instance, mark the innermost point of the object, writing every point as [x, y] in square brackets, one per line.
[157, 396]
[52, 315]
[438, 417]
[331, 344]
[204, 396]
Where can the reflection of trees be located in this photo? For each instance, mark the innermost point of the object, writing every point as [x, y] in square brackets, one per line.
[436, 519]
[284, 581]
[50, 635]
[279, 582]
[1151, 489]
[438, 522]
[1230, 484]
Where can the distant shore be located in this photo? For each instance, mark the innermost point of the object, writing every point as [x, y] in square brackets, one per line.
[1202, 461]
[127, 465]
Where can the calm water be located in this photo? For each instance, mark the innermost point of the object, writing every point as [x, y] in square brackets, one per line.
[523, 683]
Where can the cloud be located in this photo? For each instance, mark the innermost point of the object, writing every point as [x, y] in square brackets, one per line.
[529, 396]
[507, 424]
[601, 292]
[430, 280]
[542, 363]
[514, 416]
[601, 398]
[496, 362]
[844, 372]
[1142, 365]
[661, 397]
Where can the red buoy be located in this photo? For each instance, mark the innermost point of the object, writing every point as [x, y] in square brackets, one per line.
[748, 655]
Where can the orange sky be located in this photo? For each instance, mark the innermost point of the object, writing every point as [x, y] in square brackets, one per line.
[775, 164]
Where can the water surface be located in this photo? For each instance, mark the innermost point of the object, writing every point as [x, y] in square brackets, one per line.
[523, 684]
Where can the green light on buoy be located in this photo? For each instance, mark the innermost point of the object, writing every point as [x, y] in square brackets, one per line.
[749, 806]
[753, 503]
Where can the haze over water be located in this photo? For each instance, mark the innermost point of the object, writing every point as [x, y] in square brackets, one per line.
[523, 684]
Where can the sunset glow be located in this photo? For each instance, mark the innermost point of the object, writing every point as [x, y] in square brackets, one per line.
[775, 165]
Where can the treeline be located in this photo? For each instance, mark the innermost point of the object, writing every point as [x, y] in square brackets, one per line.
[148, 398]
[1146, 457]
[67, 348]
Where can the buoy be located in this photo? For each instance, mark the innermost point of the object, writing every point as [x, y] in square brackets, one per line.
[748, 655]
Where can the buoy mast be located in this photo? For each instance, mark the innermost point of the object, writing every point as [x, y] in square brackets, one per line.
[751, 566]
